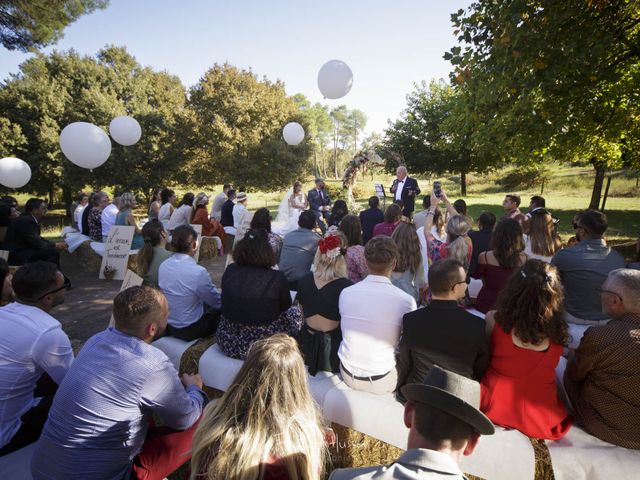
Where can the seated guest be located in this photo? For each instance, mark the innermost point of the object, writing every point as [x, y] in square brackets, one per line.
[583, 269]
[541, 241]
[194, 302]
[442, 333]
[460, 206]
[266, 425]
[318, 294]
[602, 379]
[370, 217]
[168, 199]
[537, 203]
[182, 215]
[125, 217]
[356, 264]
[496, 266]
[481, 239]
[210, 226]
[100, 425]
[6, 289]
[527, 332]
[420, 218]
[338, 212]
[298, 249]
[226, 212]
[7, 213]
[371, 314]
[108, 217]
[408, 275]
[256, 302]
[262, 221]
[94, 221]
[35, 354]
[84, 225]
[23, 240]
[154, 205]
[153, 252]
[392, 218]
[83, 200]
[511, 204]
[241, 216]
[445, 424]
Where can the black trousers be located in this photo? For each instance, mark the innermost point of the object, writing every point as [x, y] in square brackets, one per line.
[205, 327]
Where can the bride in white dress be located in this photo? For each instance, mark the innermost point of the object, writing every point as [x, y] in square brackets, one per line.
[291, 206]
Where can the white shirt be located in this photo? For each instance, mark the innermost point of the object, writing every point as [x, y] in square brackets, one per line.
[240, 213]
[108, 218]
[371, 314]
[77, 216]
[188, 287]
[181, 216]
[529, 252]
[216, 208]
[31, 343]
[399, 187]
[164, 215]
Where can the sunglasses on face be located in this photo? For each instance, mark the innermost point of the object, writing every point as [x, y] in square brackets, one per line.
[65, 286]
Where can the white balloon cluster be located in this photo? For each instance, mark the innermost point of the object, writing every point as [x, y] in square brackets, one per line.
[335, 79]
[88, 146]
[14, 173]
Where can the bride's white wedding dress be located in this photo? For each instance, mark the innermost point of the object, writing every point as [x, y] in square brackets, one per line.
[289, 210]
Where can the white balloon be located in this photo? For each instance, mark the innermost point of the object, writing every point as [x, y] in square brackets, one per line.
[14, 173]
[85, 144]
[293, 133]
[335, 79]
[125, 130]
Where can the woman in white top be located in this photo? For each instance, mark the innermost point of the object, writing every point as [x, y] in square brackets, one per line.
[168, 198]
[541, 242]
[182, 215]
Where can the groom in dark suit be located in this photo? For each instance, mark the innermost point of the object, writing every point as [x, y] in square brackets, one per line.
[319, 203]
[406, 189]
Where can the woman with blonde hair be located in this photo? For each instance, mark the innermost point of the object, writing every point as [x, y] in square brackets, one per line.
[527, 332]
[409, 272]
[152, 253]
[318, 295]
[125, 217]
[541, 241]
[266, 425]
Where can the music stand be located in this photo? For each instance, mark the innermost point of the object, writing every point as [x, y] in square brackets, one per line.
[380, 193]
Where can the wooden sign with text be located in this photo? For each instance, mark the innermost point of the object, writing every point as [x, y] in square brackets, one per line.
[116, 251]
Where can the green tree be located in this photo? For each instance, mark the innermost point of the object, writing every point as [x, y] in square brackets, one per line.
[552, 79]
[236, 123]
[27, 25]
[320, 130]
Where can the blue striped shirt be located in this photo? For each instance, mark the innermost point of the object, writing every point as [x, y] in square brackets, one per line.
[100, 415]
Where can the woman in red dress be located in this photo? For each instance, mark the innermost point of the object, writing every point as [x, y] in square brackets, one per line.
[527, 332]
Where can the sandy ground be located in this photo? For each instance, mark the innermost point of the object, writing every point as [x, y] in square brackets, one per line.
[87, 307]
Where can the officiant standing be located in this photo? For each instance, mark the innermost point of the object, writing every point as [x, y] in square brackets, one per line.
[319, 203]
[406, 189]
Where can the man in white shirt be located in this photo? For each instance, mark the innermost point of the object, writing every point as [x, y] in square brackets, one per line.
[216, 207]
[241, 216]
[108, 216]
[371, 314]
[35, 354]
[83, 200]
[194, 301]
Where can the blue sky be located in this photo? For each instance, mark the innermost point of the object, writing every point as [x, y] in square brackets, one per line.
[388, 44]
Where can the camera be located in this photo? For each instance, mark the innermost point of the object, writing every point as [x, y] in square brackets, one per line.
[437, 188]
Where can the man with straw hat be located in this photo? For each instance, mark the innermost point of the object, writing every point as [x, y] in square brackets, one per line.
[445, 424]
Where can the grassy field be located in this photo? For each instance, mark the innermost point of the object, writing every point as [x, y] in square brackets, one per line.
[567, 192]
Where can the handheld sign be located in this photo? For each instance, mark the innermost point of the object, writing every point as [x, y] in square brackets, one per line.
[131, 279]
[198, 229]
[116, 251]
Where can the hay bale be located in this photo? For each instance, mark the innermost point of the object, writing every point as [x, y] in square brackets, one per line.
[544, 467]
[87, 258]
[208, 248]
[189, 362]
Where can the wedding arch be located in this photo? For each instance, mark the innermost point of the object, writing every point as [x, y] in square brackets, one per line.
[358, 162]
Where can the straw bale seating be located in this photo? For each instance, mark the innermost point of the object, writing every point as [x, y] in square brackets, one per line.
[173, 348]
[89, 256]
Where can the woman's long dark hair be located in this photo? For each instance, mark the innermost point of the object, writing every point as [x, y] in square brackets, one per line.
[507, 243]
[152, 235]
[262, 219]
[531, 304]
[352, 228]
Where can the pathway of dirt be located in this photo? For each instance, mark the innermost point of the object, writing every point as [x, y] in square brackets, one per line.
[87, 307]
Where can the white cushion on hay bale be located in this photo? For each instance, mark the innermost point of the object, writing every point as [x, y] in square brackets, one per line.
[173, 348]
[17, 465]
[98, 247]
[581, 456]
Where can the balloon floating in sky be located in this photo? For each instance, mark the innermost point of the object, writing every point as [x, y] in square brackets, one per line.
[125, 130]
[293, 133]
[85, 144]
[14, 173]
[335, 79]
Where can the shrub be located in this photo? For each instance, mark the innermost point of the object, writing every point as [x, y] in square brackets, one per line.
[524, 177]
